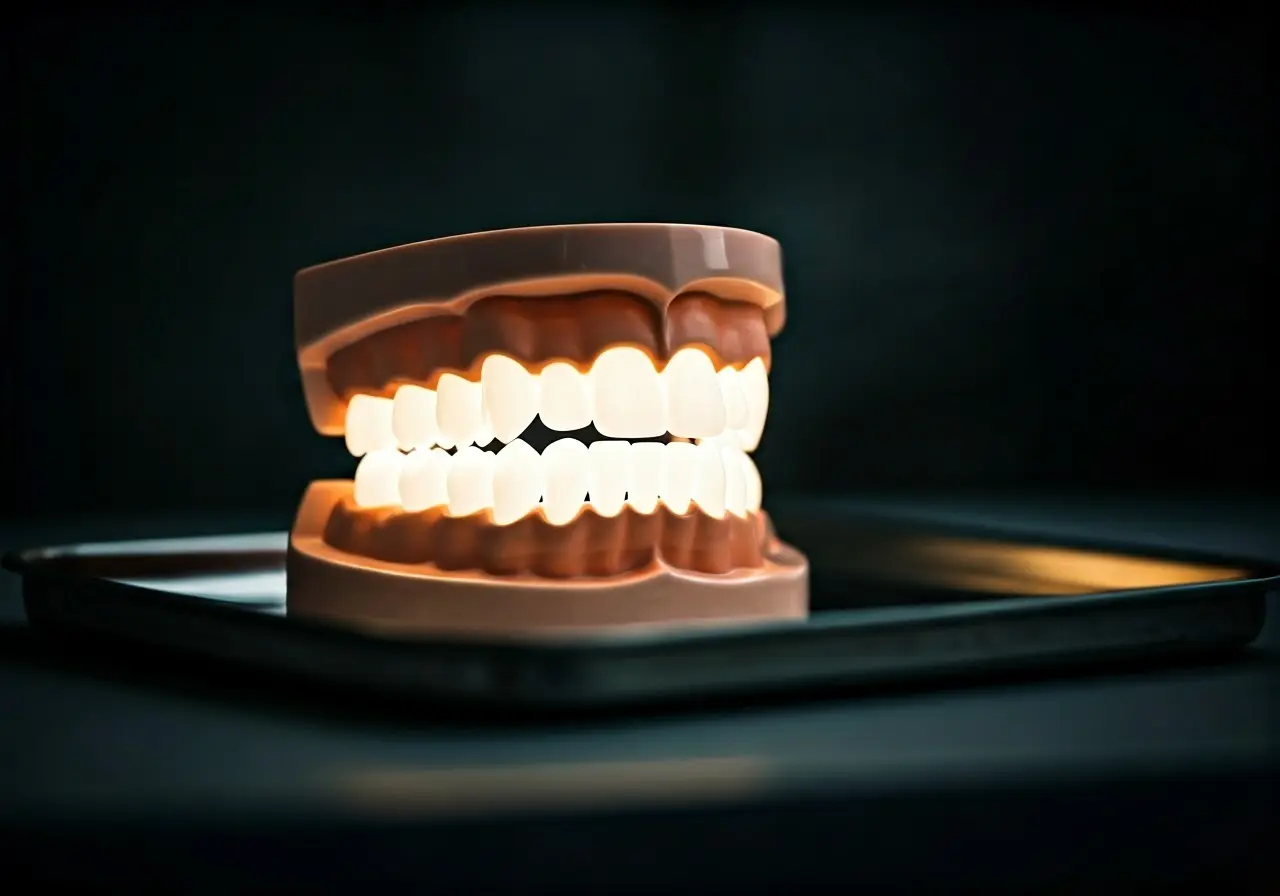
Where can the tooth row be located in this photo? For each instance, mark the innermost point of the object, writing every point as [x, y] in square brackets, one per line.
[716, 477]
[623, 395]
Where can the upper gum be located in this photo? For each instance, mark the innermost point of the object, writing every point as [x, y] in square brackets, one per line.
[364, 366]
[472, 373]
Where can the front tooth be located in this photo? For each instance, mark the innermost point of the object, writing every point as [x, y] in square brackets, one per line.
[755, 386]
[628, 395]
[646, 475]
[735, 400]
[459, 409]
[564, 465]
[510, 396]
[608, 469]
[678, 468]
[413, 417]
[735, 482]
[484, 435]
[518, 481]
[708, 480]
[377, 480]
[695, 402]
[564, 402]
[470, 482]
[424, 479]
[753, 487]
[368, 425]
[728, 439]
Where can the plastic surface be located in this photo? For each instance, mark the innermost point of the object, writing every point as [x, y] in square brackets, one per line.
[891, 602]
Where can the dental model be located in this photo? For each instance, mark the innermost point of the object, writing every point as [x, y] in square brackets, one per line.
[635, 356]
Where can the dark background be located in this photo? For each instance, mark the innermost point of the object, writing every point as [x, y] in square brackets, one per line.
[1023, 250]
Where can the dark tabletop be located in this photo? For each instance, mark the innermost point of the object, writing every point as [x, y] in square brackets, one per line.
[158, 771]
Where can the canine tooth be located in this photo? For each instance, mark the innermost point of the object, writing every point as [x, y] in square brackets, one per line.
[645, 477]
[564, 402]
[459, 409]
[608, 469]
[735, 482]
[377, 480]
[564, 464]
[678, 469]
[424, 479]
[470, 481]
[708, 480]
[751, 483]
[413, 417]
[695, 402]
[510, 396]
[735, 400]
[368, 425]
[628, 395]
[755, 385]
[517, 481]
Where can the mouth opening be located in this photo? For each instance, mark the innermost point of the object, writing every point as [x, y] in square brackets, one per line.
[555, 440]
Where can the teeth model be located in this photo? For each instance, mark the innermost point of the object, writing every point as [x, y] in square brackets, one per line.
[552, 429]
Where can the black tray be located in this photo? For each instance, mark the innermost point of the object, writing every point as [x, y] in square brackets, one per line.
[891, 600]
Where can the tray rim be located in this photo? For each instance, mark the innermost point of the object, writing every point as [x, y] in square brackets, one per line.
[49, 563]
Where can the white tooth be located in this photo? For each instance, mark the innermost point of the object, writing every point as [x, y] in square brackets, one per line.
[628, 395]
[459, 409]
[378, 478]
[368, 425]
[470, 481]
[517, 481]
[735, 400]
[484, 435]
[708, 480]
[608, 471]
[735, 483]
[413, 417]
[755, 385]
[678, 468]
[564, 464]
[565, 397]
[646, 475]
[424, 479]
[510, 396]
[695, 402]
[728, 439]
[751, 482]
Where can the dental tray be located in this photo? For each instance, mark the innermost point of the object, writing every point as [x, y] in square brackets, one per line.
[891, 600]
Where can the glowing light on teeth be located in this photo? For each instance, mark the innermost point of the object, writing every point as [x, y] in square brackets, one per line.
[424, 479]
[628, 395]
[695, 401]
[368, 425]
[565, 398]
[713, 417]
[413, 417]
[459, 409]
[510, 395]
[518, 482]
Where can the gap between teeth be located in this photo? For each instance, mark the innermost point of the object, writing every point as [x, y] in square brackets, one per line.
[623, 395]
[714, 474]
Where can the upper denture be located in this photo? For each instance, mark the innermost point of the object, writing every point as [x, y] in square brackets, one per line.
[541, 295]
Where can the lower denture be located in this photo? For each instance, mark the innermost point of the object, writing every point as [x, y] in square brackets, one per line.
[590, 546]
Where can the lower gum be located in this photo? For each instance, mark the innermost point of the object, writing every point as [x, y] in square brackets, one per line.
[590, 546]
